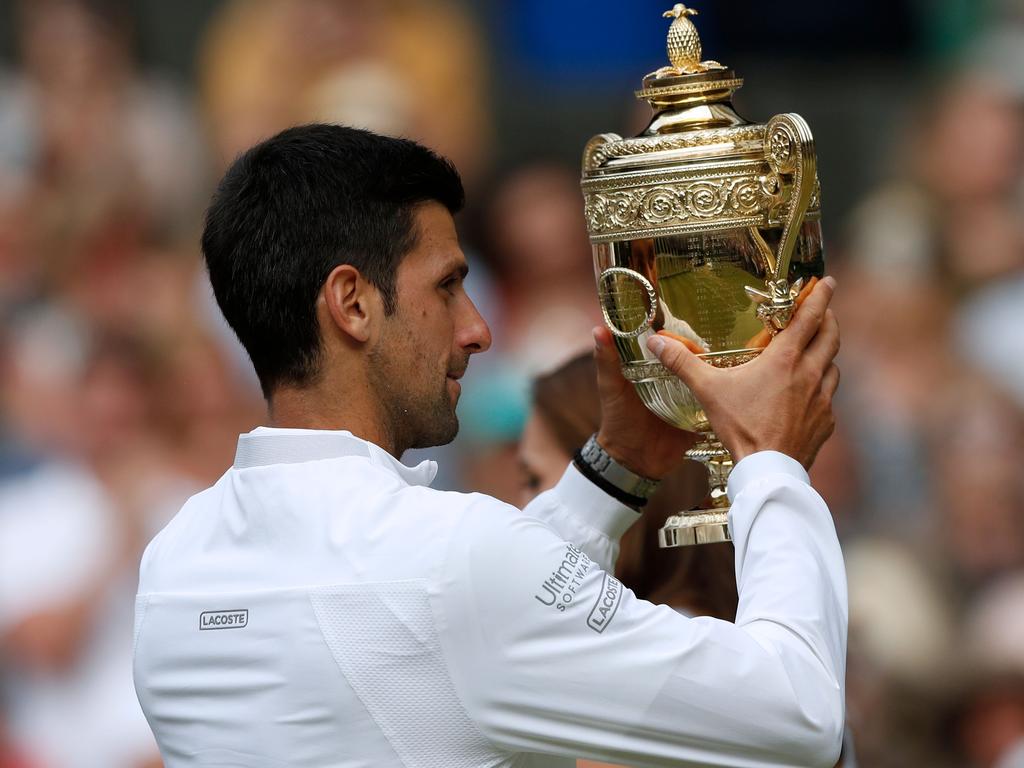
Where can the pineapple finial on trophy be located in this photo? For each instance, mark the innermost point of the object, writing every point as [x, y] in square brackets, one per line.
[683, 41]
[684, 49]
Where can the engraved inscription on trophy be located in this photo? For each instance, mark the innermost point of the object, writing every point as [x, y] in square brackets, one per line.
[701, 280]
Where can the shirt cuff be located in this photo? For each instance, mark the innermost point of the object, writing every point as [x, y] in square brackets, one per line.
[593, 506]
[758, 465]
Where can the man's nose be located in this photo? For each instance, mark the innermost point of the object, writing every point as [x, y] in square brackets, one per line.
[474, 335]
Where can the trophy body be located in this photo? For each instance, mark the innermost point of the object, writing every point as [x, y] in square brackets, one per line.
[705, 227]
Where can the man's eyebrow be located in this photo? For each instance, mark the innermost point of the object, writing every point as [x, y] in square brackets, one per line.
[461, 268]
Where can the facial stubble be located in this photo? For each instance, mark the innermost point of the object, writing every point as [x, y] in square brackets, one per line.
[418, 412]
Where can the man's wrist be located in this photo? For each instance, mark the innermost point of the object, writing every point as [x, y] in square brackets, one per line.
[603, 469]
[622, 455]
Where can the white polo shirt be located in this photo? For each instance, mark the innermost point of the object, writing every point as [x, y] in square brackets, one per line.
[322, 606]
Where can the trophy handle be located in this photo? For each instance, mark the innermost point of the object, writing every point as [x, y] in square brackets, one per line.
[623, 293]
[789, 150]
[594, 152]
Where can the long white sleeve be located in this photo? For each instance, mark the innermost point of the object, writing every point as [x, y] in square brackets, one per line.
[582, 513]
[550, 654]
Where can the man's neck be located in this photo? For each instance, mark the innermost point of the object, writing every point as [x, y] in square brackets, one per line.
[294, 408]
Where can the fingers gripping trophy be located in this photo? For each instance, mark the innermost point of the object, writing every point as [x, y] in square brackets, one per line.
[705, 227]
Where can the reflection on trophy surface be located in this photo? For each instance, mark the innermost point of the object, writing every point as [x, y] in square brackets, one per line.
[705, 227]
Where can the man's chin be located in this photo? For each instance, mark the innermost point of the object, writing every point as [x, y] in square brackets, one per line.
[440, 434]
[452, 429]
[451, 435]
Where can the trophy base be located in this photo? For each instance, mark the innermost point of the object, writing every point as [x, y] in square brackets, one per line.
[701, 526]
[708, 524]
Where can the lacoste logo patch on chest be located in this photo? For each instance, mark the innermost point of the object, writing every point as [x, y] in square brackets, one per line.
[234, 619]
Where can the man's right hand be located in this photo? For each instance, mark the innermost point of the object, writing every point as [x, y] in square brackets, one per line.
[782, 400]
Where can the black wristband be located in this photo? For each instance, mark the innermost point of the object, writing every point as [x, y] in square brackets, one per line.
[636, 502]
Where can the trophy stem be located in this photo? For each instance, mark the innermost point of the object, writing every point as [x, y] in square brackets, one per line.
[709, 523]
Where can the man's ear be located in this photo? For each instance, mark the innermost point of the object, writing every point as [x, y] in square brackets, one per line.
[352, 302]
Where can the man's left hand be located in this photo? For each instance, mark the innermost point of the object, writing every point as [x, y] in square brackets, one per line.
[629, 432]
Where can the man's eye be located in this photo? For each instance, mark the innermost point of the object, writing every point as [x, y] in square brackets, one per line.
[450, 284]
[529, 480]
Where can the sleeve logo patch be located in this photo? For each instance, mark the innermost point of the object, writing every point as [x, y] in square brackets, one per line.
[560, 587]
[235, 619]
[607, 604]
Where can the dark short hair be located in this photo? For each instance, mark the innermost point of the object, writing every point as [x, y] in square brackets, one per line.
[291, 209]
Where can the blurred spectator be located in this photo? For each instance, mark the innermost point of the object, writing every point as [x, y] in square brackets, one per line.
[977, 442]
[954, 210]
[65, 624]
[535, 239]
[91, 153]
[203, 405]
[893, 359]
[987, 332]
[902, 632]
[142, 427]
[412, 67]
[837, 476]
[990, 711]
[930, 303]
[94, 489]
[10, 755]
[43, 350]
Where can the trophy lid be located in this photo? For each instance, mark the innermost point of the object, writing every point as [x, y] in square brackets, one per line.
[688, 81]
[699, 166]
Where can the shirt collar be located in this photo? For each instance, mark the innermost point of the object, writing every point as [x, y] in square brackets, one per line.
[270, 445]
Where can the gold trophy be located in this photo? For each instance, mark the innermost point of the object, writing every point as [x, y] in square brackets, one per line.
[706, 227]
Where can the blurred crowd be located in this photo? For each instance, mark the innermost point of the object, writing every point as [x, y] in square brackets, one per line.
[122, 392]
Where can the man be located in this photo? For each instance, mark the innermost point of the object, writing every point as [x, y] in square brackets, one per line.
[320, 605]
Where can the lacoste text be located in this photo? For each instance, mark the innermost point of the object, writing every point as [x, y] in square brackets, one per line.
[235, 619]
[607, 604]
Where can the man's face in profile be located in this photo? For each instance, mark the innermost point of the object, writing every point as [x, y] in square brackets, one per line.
[426, 343]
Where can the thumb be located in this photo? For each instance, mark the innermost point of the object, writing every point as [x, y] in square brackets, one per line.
[681, 361]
